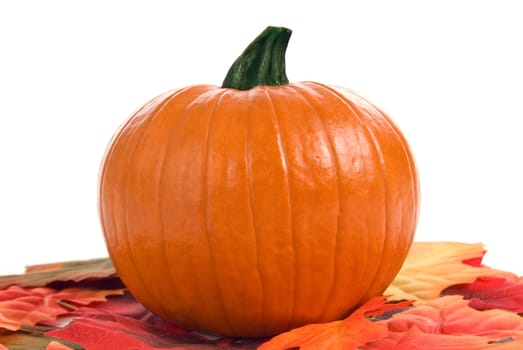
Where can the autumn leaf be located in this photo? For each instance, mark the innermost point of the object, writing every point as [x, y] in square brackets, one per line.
[42, 275]
[123, 305]
[354, 331]
[31, 341]
[489, 292]
[100, 334]
[450, 323]
[54, 345]
[431, 267]
[109, 325]
[79, 318]
[414, 339]
[29, 306]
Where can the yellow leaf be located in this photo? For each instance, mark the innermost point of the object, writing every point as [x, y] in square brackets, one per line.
[430, 267]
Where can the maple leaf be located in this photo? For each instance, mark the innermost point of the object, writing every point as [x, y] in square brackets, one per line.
[431, 267]
[108, 325]
[33, 341]
[43, 274]
[354, 331]
[54, 345]
[29, 306]
[450, 323]
[489, 292]
[123, 305]
[414, 339]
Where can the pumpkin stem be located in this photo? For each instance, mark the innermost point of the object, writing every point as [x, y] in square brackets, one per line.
[262, 62]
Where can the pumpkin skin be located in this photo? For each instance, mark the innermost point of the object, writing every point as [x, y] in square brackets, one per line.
[252, 212]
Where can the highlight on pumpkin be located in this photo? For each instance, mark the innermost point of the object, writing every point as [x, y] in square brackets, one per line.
[259, 206]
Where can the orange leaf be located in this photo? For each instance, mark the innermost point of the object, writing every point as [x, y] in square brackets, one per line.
[29, 306]
[354, 331]
[431, 267]
[54, 345]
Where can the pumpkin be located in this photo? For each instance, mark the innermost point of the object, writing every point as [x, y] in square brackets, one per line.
[258, 206]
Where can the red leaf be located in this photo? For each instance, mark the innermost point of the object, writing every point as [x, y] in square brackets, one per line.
[449, 323]
[491, 293]
[123, 305]
[103, 334]
[29, 306]
[477, 261]
[354, 331]
[414, 339]
[102, 328]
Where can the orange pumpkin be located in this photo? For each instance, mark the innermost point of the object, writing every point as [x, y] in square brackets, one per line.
[259, 206]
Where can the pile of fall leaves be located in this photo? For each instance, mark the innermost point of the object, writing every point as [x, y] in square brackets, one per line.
[443, 298]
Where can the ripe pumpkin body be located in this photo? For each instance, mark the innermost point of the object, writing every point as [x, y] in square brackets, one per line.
[251, 212]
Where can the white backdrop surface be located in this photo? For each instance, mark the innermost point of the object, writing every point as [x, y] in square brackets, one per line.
[448, 72]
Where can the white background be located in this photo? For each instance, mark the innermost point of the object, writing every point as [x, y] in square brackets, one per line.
[448, 72]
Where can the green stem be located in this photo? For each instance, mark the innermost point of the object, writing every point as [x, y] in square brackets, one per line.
[262, 62]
